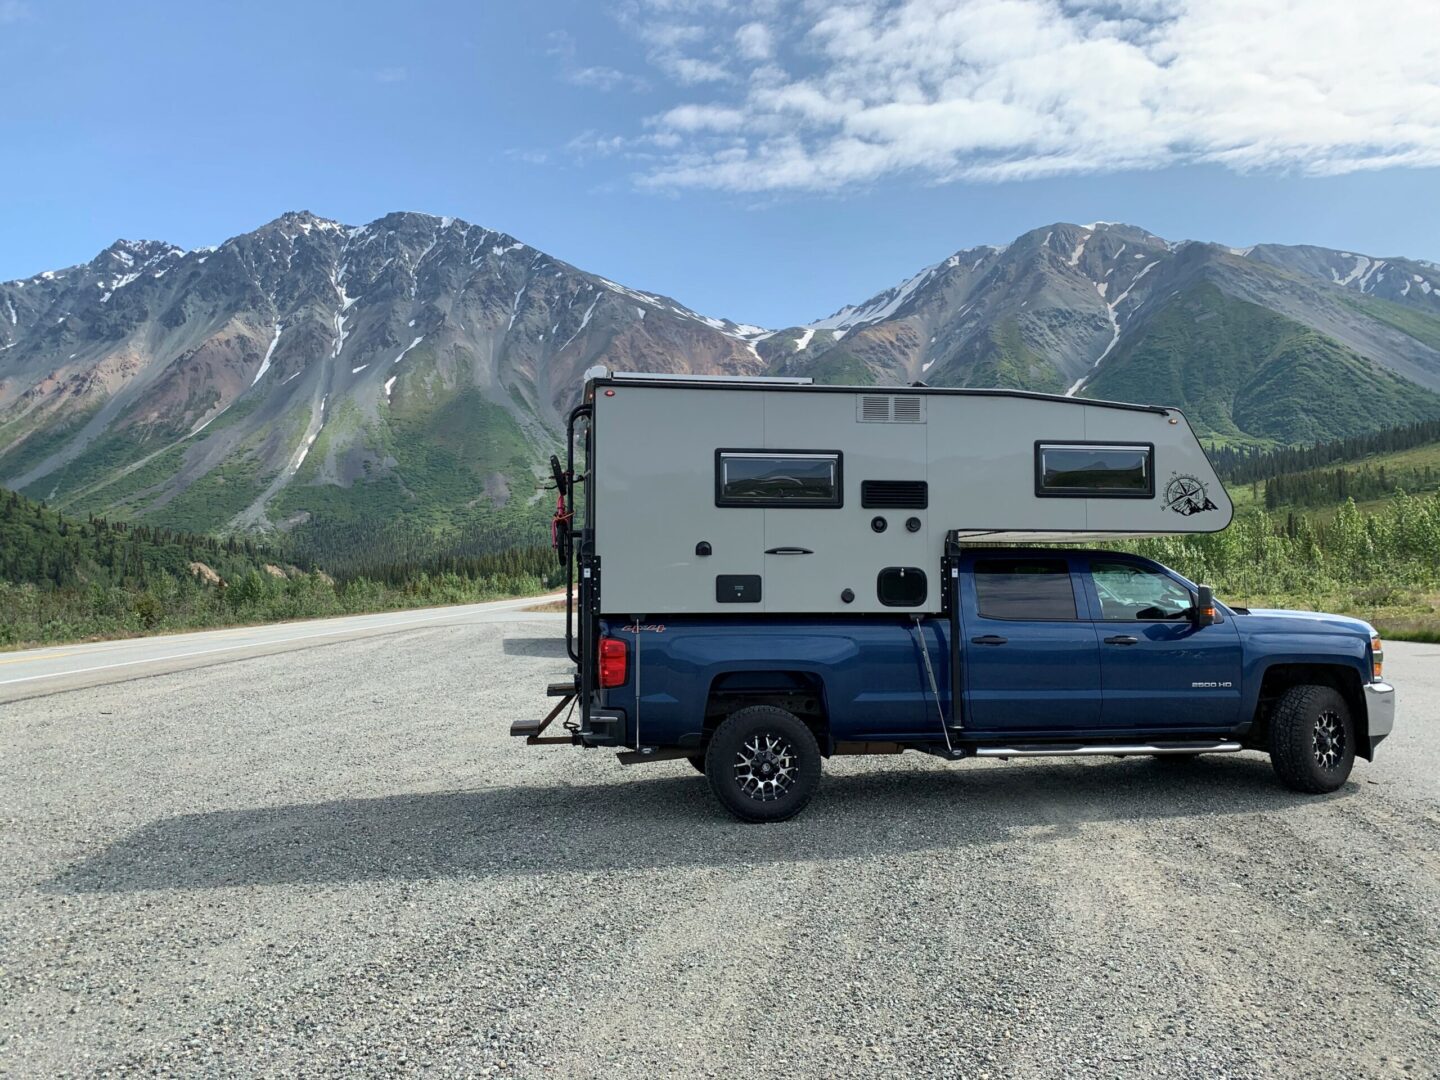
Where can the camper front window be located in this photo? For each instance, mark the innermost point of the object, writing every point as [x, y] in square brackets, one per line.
[1104, 470]
[779, 479]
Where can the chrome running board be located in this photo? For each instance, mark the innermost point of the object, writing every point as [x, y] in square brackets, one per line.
[1117, 750]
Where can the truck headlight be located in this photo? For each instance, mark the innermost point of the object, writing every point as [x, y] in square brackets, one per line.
[1377, 650]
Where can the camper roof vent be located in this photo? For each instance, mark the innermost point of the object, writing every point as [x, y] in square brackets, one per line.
[891, 409]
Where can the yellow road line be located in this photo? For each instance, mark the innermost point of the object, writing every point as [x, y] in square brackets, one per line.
[42, 656]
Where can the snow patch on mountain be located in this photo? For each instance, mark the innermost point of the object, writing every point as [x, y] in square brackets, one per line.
[877, 308]
[407, 348]
[1110, 312]
[1361, 265]
[265, 363]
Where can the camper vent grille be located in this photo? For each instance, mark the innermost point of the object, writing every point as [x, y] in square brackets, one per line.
[907, 410]
[875, 409]
[894, 494]
[891, 409]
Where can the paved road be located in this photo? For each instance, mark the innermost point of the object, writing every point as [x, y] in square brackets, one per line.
[333, 859]
[31, 672]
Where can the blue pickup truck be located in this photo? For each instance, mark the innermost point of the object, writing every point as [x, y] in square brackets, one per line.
[1015, 651]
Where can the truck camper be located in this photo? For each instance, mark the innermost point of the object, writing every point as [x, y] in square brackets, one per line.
[772, 572]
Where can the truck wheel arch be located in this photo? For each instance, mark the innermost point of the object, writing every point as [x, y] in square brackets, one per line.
[801, 693]
[1280, 677]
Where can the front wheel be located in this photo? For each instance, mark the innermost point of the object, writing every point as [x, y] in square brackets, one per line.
[763, 764]
[1312, 739]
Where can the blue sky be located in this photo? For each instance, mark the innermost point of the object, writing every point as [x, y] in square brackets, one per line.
[765, 160]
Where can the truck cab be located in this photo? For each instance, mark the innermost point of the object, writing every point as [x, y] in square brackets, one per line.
[989, 650]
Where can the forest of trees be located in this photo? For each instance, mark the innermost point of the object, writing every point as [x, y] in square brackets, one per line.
[1246, 466]
[1326, 474]
[63, 579]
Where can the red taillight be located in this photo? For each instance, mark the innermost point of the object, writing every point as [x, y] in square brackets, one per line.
[613, 662]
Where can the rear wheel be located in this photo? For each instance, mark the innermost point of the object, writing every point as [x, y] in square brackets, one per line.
[1312, 739]
[763, 764]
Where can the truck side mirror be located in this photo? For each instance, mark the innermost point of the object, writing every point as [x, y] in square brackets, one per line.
[1204, 605]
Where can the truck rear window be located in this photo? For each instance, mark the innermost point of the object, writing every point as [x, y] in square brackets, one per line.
[1037, 590]
[778, 478]
[1101, 470]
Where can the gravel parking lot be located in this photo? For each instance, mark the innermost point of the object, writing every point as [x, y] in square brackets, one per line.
[336, 860]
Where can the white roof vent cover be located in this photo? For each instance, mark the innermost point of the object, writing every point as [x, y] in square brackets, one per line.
[890, 409]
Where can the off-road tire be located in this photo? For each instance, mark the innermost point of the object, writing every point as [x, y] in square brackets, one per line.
[763, 764]
[1312, 739]
[697, 760]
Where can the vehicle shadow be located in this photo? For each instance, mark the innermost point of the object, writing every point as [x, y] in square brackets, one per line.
[663, 821]
[551, 647]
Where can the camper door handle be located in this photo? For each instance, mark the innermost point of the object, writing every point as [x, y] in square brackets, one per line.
[989, 639]
[788, 551]
[1122, 639]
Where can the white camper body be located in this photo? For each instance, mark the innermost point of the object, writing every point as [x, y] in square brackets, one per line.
[734, 496]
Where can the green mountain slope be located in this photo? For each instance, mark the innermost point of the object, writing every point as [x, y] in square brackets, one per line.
[1247, 376]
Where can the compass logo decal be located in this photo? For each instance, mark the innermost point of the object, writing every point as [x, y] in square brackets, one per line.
[1187, 495]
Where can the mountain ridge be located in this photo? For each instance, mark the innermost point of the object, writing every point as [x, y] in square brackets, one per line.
[421, 365]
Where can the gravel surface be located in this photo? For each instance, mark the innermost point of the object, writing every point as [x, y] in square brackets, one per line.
[336, 860]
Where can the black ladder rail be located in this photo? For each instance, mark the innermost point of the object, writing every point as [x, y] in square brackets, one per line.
[576, 414]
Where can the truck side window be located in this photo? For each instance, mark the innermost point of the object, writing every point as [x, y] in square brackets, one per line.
[1038, 590]
[1131, 593]
[778, 478]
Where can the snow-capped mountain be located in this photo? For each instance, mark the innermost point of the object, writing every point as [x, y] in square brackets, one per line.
[423, 365]
[312, 367]
[1048, 311]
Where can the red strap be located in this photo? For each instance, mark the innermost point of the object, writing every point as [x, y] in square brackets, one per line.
[561, 517]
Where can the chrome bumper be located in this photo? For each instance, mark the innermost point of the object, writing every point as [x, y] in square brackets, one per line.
[1380, 711]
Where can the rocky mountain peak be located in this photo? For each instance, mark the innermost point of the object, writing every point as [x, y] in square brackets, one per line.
[313, 370]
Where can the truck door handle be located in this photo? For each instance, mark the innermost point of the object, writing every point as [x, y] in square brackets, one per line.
[788, 551]
[989, 639]
[1122, 639]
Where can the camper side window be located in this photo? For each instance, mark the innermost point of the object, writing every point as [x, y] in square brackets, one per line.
[785, 478]
[1096, 470]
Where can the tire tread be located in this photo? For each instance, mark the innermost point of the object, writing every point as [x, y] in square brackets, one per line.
[720, 778]
[1290, 734]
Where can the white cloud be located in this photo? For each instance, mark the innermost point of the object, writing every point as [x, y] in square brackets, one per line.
[686, 118]
[755, 41]
[606, 78]
[824, 94]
